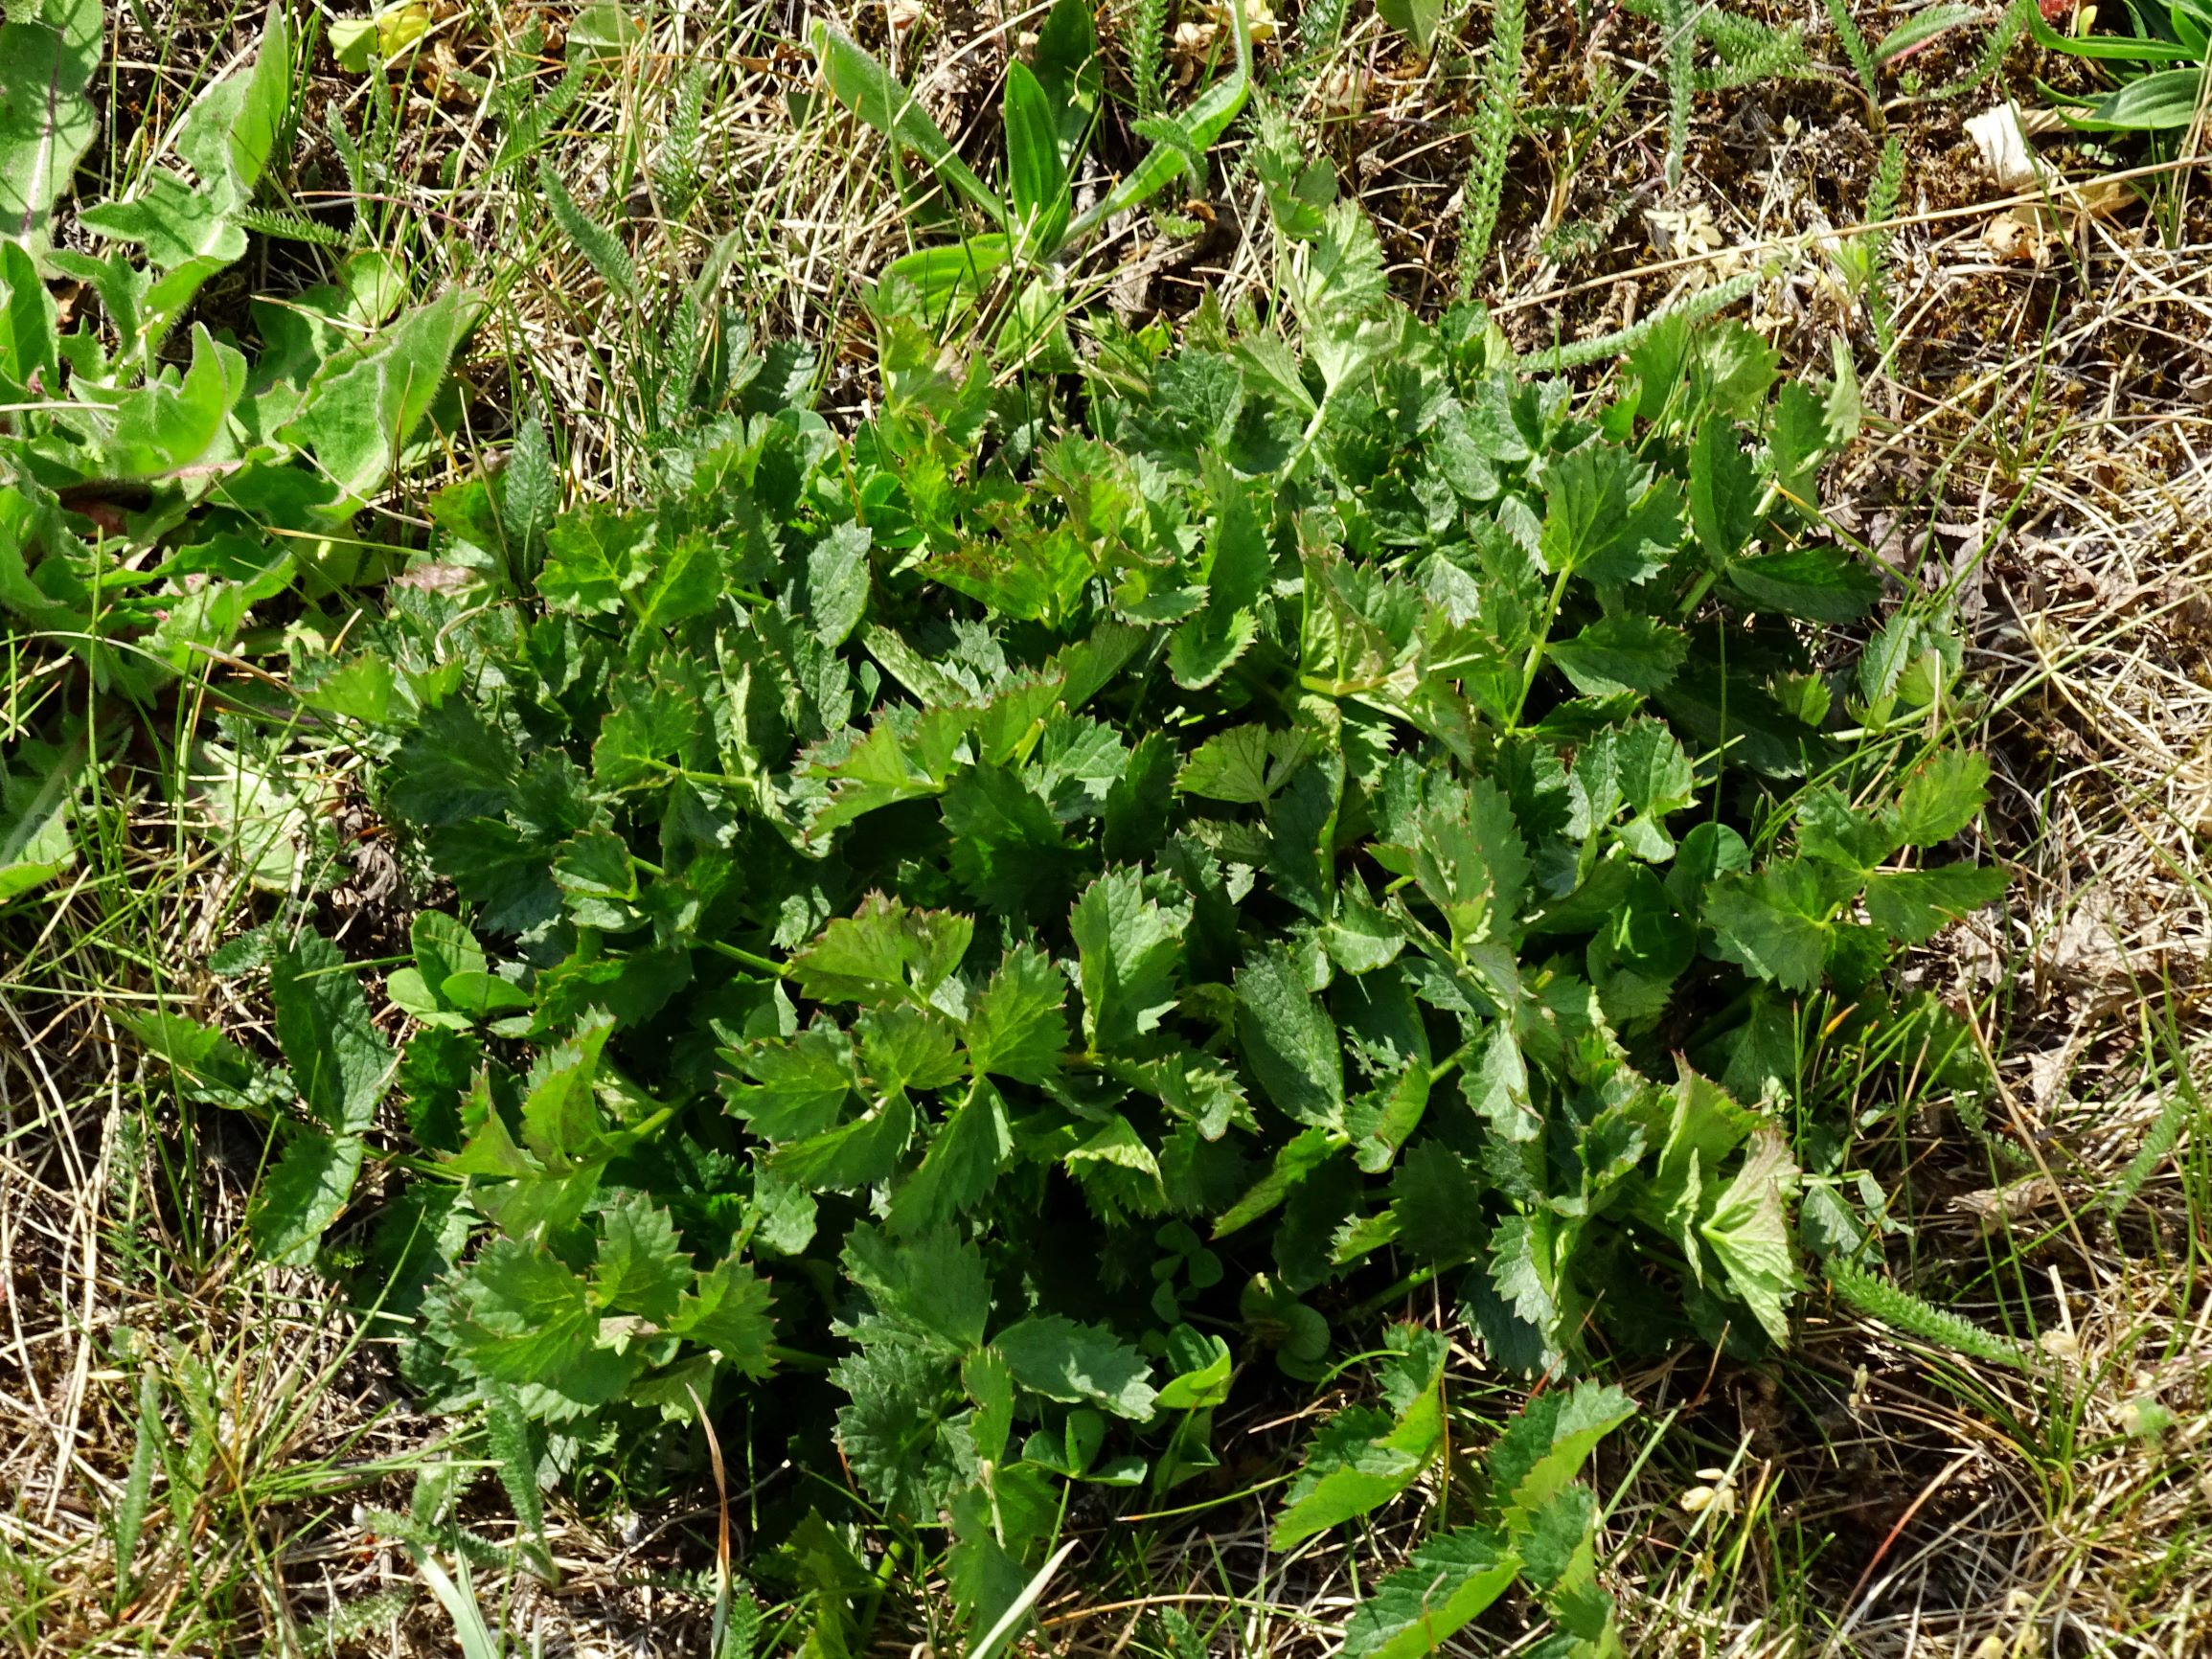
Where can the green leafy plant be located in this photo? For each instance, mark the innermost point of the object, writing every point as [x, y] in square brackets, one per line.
[1539, 1524]
[1051, 106]
[1319, 818]
[2158, 70]
[154, 491]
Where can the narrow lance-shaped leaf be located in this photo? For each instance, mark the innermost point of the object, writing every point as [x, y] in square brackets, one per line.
[870, 91]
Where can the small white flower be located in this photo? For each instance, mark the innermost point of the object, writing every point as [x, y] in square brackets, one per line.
[1718, 1494]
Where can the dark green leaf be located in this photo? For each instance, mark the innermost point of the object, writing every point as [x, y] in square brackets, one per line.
[1606, 517]
[640, 1268]
[1775, 923]
[727, 1309]
[338, 1062]
[1017, 1028]
[1623, 654]
[1130, 949]
[303, 1192]
[1820, 583]
[1076, 1363]
[1290, 1041]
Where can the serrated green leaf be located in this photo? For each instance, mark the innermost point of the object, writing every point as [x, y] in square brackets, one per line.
[1017, 1027]
[1473, 865]
[1748, 1229]
[518, 1315]
[1620, 653]
[852, 1155]
[1289, 1040]
[907, 1048]
[1544, 1446]
[592, 559]
[1444, 1585]
[727, 1309]
[838, 578]
[1941, 796]
[1820, 583]
[1829, 828]
[1231, 765]
[883, 952]
[1235, 569]
[890, 1424]
[1062, 1360]
[561, 1122]
[686, 578]
[1362, 1458]
[1130, 952]
[303, 1192]
[930, 1283]
[1607, 518]
[1523, 1274]
[1775, 923]
[1558, 1549]
[961, 1165]
[640, 1268]
[1797, 441]
[338, 1060]
[799, 1086]
[1724, 491]
[1911, 905]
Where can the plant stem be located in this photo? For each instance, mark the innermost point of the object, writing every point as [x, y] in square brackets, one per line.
[1535, 650]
